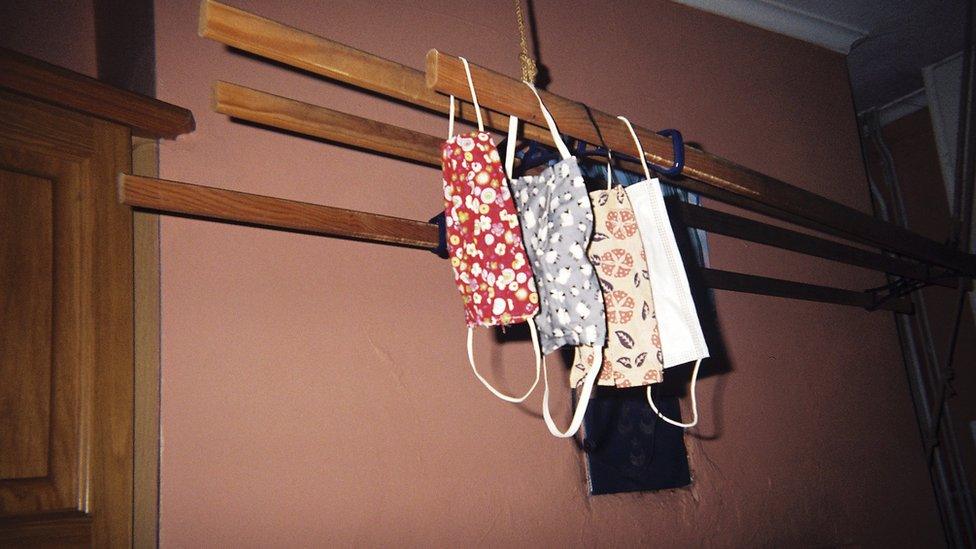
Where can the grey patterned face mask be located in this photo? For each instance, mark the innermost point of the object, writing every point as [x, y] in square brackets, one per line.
[557, 222]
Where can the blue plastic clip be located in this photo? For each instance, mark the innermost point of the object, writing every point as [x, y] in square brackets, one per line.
[441, 249]
[678, 145]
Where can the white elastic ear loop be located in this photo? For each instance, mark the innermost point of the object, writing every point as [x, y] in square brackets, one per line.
[538, 366]
[584, 397]
[694, 401]
[450, 117]
[510, 145]
[609, 170]
[474, 96]
[560, 146]
[640, 148]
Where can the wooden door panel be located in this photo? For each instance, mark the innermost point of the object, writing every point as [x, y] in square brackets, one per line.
[43, 217]
[65, 329]
[26, 313]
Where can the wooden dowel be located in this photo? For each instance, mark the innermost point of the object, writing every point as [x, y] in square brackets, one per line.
[739, 227]
[279, 112]
[240, 29]
[261, 36]
[288, 114]
[276, 213]
[738, 282]
[446, 74]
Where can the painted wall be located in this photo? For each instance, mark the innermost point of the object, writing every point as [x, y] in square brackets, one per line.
[315, 391]
[57, 31]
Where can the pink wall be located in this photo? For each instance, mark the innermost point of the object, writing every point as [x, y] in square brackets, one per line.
[62, 32]
[315, 391]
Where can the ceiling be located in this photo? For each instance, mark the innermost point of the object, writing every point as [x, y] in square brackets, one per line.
[887, 42]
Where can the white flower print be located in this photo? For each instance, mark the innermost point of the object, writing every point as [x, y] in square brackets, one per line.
[562, 315]
[563, 276]
[466, 143]
[482, 224]
[488, 195]
[582, 310]
[576, 251]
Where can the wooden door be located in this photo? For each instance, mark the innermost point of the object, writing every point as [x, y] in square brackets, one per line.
[66, 333]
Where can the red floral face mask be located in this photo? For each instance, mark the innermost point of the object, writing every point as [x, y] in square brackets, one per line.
[484, 239]
[483, 235]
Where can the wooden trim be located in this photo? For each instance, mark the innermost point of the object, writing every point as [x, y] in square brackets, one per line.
[111, 340]
[224, 205]
[739, 282]
[718, 222]
[146, 296]
[446, 74]
[307, 119]
[55, 529]
[144, 116]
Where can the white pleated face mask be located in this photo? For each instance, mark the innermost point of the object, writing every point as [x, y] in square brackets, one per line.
[682, 340]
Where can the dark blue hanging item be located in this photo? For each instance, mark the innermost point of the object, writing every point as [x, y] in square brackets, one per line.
[628, 448]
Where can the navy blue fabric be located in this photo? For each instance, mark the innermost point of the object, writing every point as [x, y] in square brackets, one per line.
[628, 448]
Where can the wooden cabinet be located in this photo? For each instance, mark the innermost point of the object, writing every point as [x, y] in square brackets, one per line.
[67, 307]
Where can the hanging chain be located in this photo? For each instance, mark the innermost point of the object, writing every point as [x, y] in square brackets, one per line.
[529, 69]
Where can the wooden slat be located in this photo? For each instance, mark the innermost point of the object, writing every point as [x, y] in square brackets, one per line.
[307, 119]
[246, 31]
[754, 231]
[276, 213]
[446, 74]
[145, 116]
[255, 34]
[279, 112]
[738, 282]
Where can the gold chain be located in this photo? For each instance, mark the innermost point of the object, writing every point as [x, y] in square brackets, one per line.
[529, 69]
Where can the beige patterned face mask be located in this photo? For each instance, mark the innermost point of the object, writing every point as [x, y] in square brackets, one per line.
[632, 355]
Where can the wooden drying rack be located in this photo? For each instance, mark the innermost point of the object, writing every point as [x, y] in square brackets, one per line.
[903, 253]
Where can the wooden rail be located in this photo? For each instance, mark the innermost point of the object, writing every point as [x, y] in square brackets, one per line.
[255, 34]
[718, 222]
[223, 205]
[738, 282]
[307, 119]
[749, 189]
[446, 74]
[276, 213]
[288, 114]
